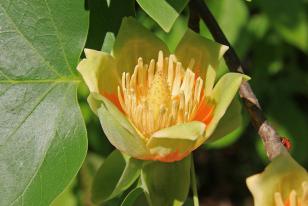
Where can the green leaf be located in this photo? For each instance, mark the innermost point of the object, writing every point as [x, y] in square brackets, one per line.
[43, 138]
[106, 16]
[163, 12]
[226, 140]
[289, 18]
[108, 42]
[67, 198]
[116, 174]
[232, 21]
[167, 183]
[231, 121]
[135, 197]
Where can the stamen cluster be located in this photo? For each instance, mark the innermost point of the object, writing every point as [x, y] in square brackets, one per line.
[160, 94]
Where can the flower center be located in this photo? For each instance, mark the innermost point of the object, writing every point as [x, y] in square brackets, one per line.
[160, 94]
[293, 199]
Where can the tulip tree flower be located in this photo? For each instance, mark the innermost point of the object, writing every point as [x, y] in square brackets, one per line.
[283, 183]
[154, 105]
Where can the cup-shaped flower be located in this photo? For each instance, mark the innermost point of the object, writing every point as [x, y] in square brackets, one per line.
[154, 105]
[283, 183]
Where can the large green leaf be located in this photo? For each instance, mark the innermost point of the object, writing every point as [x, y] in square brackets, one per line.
[164, 12]
[43, 137]
[115, 175]
[167, 183]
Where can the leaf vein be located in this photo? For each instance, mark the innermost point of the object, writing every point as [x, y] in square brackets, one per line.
[50, 67]
[58, 37]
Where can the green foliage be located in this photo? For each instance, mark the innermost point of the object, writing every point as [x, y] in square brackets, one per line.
[42, 133]
[167, 184]
[116, 174]
[163, 12]
[108, 42]
[135, 197]
[43, 137]
[290, 19]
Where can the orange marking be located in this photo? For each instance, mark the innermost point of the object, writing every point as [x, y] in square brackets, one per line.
[171, 157]
[205, 111]
[114, 99]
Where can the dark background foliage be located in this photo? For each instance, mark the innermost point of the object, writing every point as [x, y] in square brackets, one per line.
[271, 37]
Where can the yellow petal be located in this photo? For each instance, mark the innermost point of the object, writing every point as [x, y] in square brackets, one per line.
[176, 142]
[117, 128]
[222, 94]
[99, 72]
[134, 41]
[281, 176]
[203, 51]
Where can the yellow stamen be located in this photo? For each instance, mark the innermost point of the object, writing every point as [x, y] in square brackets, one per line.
[293, 199]
[160, 95]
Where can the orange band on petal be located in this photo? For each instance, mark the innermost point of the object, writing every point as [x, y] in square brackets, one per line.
[205, 111]
[171, 157]
[113, 97]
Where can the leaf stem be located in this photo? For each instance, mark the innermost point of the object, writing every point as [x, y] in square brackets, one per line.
[194, 183]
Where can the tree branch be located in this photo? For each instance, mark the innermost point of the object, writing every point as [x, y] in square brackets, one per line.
[270, 137]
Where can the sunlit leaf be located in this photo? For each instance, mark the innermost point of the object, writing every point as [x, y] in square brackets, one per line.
[43, 138]
[164, 12]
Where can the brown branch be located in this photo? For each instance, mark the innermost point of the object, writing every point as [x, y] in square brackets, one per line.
[194, 18]
[270, 137]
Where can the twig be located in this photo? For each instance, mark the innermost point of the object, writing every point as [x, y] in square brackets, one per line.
[270, 137]
[194, 18]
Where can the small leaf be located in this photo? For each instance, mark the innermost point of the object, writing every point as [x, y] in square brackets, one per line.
[67, 198]
[163, 12]
[135, 197]
[116, 174]
[108, 42]
[167, 183]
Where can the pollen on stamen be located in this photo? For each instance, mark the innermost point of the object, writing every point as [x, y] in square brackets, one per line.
[160, 94]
